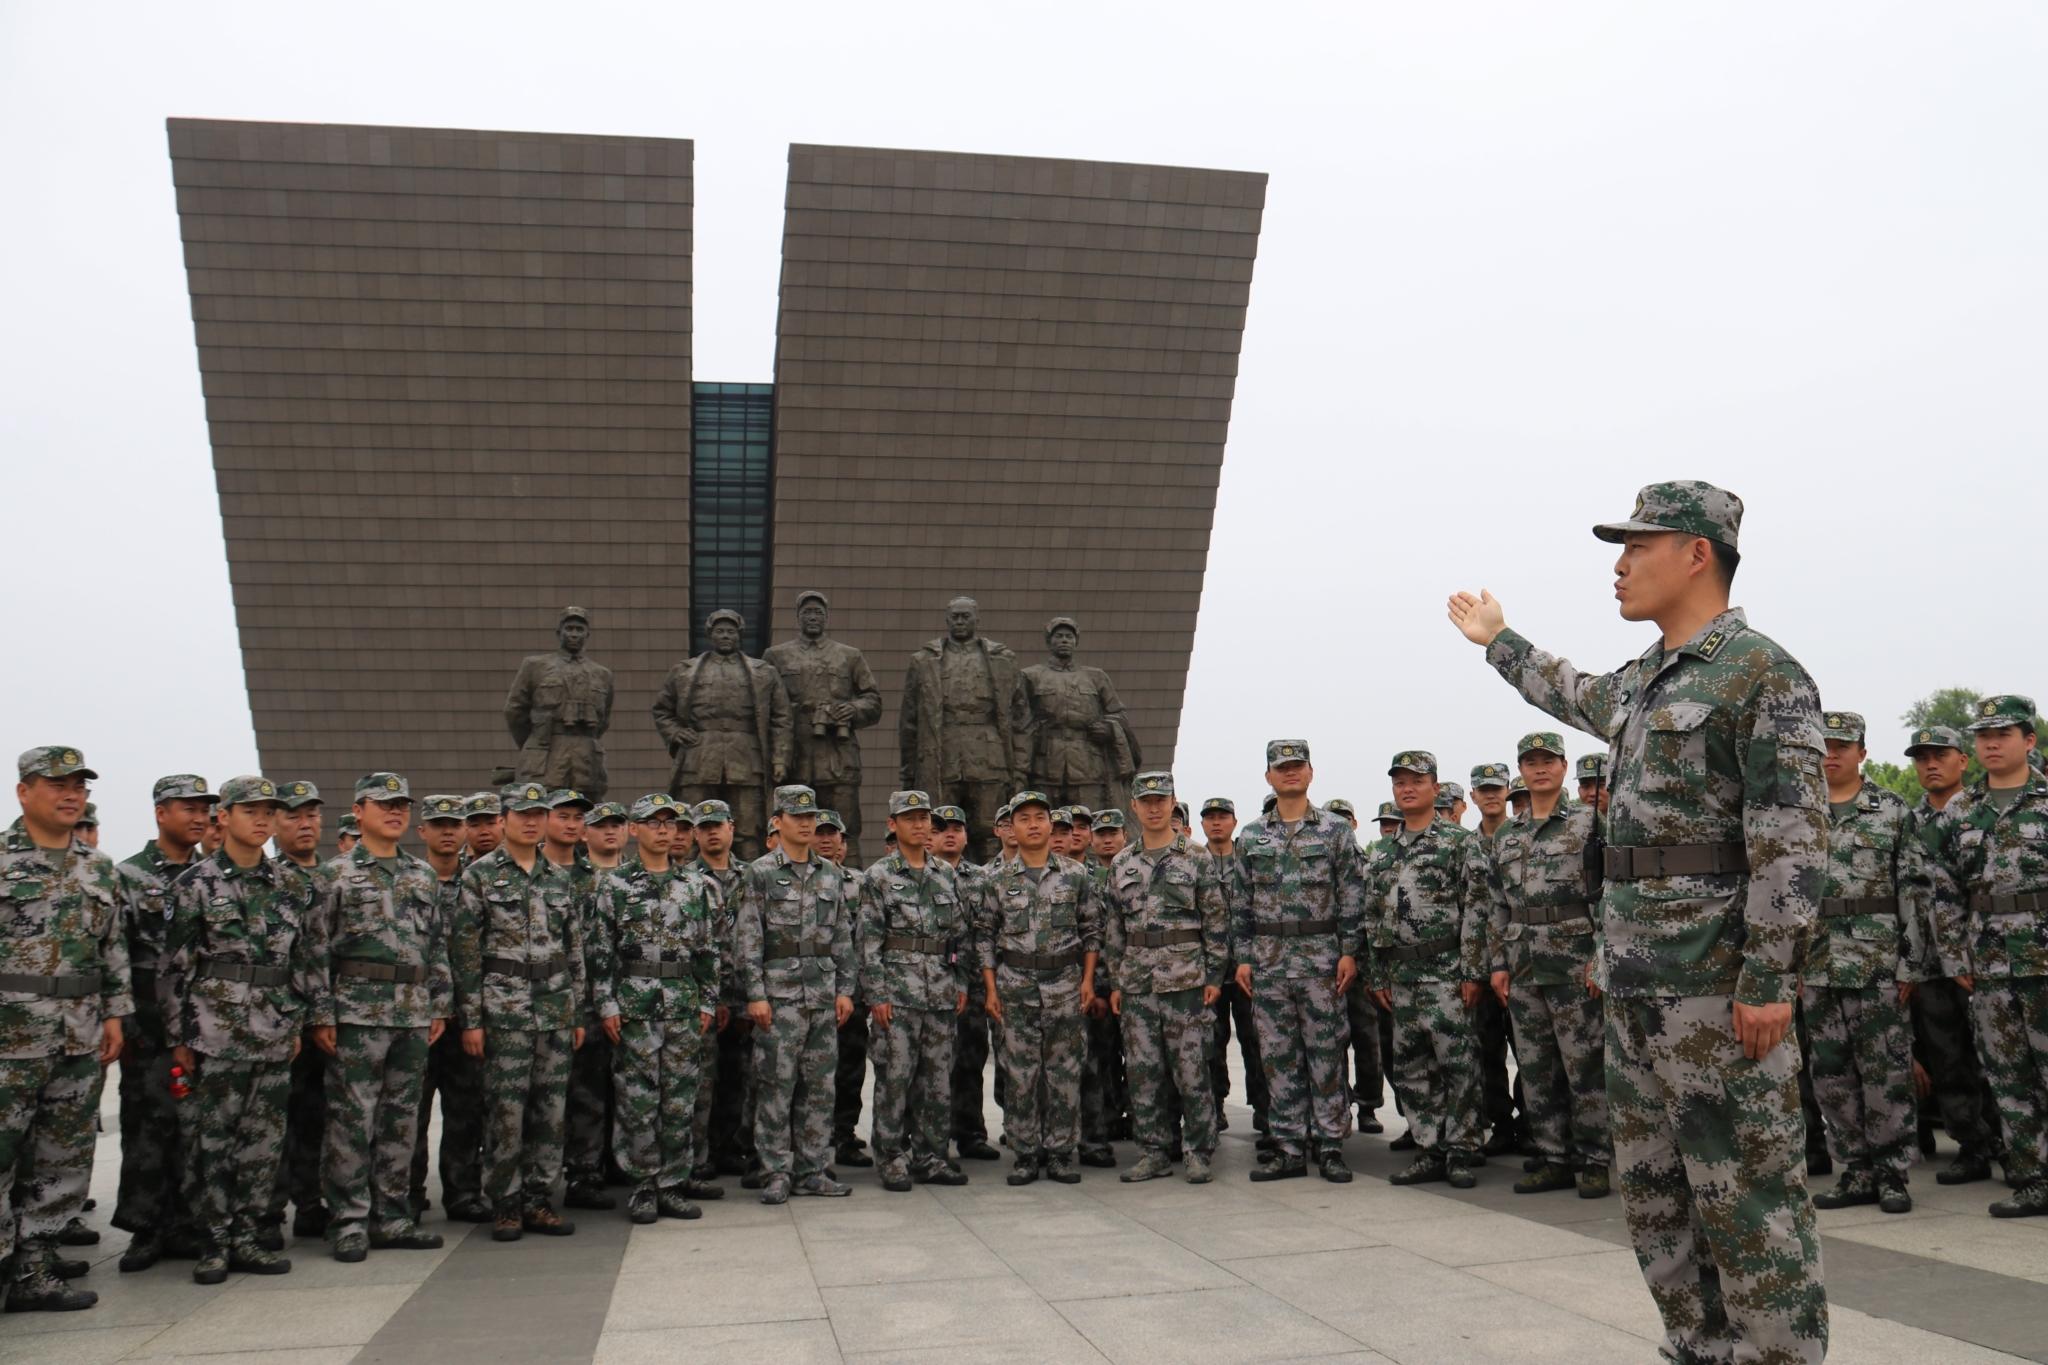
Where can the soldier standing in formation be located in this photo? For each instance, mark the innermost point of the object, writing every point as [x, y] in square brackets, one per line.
[297, 841]
[1717, 830]
[1233, 1008]
[450, 1073]
[557, 712]
[725, 718]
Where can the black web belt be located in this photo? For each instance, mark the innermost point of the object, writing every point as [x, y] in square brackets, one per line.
[1165, 938]
[1417, 952]
[915, 943]
[1042, 962]
[248, 972]
[525, 971]
[71, 987]
[403, 974]
[1552, 914]
[1301, 928]
[1834, 907]
[2026, 902]
[795, 945]
[1674, 860]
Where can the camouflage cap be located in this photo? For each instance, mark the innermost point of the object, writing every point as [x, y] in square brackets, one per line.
[432, 809]
[347, 825]
[1280, 751]
[568, 796]
[651, 805]
[1222, 803]
[1843, 725]
[523, 796]
[383, 787]
[1389, 811]
[1058, 621]
[1180, 809]
[1082, 815]
[1061, 815]
[2007, 708]
[483, 803]
[1413, 761]
[1152, 784]
[1592, 767]
[181, 787]
[1109, 819]
[247, 790]
[302, 793]
[902, 803]
[813, 595]
[1339, 806]
[1028, 797]
[573, 614]
[605, 811]
[829, 819]
[948, 815]
[1448, 795]
[54, 760]
[724, 614]
[1490, 775]
[711, 813]
[1540, 742]
[796, 799]
[1002, 812]
[1936, 737]
[1517, 788]
[1686, 505]
[91, 818]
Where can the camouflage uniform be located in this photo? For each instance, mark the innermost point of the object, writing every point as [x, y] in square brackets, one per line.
[1717, 848]
[725, 1113]
[656, 968]
[1430, 897]
[63, 971]
[587, 1112]
[1034, 927]
[912, 922]
[1166, 938]
[238, 976]
[1297, 904]
[1863, 946]
[1543, 936]
[457, 1078]
[1105, 1097]
[381, 938]
[972, 1028]
[151, 1198]
[1985, 890]
[516, 946]
[793, 947]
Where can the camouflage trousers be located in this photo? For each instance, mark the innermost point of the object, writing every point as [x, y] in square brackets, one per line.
[1436, 1065]
[657, 1066]
[1561, 1055]
[305, 1133]
[1165, 1043]
[46, 1146]
[850, 1074]
[1944, 1043]
[458, 1079]
[152, 1155]
[794, 1060]
[1368, 1077]
[1491, 1043]
[1234, 1009]
[1709, 1156]
[1302, 1033]
[587, 1123]
[970, 1062]
[234, 1138]
[725, 1115]
[373, 1111]
[913, 1085]
[1862, 1070]
[526, 1090]
[1105, 1098]
[1043, 1041]
[2012, 1039]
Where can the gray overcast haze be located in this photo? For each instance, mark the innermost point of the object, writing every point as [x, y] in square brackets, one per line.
[1517, 260]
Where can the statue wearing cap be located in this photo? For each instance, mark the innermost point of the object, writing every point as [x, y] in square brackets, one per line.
[557, 712]
[957, 731]
[831, 695]
[725, 719]
[1077, 741]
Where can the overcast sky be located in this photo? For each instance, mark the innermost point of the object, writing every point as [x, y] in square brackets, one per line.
[1517, 260]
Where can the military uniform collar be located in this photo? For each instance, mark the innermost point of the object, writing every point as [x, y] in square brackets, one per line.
[265, 869]
[19, 841]
[152, 857]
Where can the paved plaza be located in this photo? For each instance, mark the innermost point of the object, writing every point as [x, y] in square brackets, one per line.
[1165, 1271]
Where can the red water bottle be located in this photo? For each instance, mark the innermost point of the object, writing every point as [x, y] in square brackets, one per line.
[181, 1083]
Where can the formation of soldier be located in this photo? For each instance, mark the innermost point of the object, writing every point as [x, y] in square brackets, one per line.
[633, 997]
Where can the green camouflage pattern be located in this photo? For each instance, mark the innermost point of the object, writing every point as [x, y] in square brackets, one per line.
[152, 1154]
[234, 1138]
[2011, 1015]
[397, 918]
[657, 917]
[657, 1069]
[1688, 506]
[1710, 1161]
[1716, 741]
[1869, 856]
[526, 1093]
[1279, 876]
[65, 915]
[1561, 1060]
[1433, 886]
[927, 902]
[1860, 1060]
[372, 1089]
[1435, 1065]
[1994, 713]
[47, 1106]
[257, 916]
[502, 910]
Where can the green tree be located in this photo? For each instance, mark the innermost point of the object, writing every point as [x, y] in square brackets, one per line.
[1897, 778]
[1952, 706]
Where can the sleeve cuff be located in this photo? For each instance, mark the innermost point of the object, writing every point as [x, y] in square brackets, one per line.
[1757, 987]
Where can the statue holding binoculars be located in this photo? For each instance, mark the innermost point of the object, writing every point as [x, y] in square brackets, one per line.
[831, 695]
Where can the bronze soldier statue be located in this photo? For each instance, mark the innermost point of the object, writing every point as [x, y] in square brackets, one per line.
[725, 719]
[558, 709]
[956, 735]
[1077, 741]
[831, 694]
